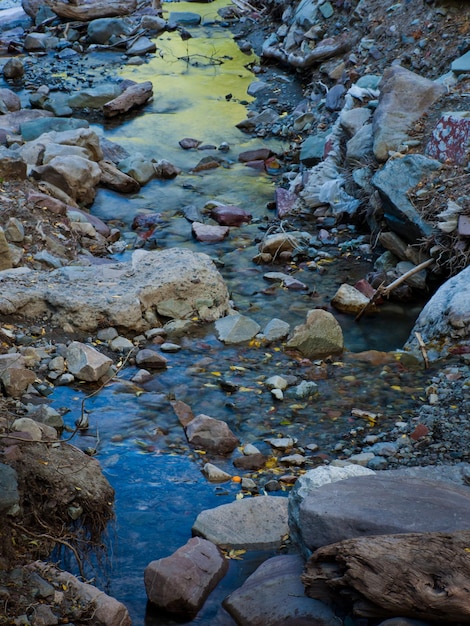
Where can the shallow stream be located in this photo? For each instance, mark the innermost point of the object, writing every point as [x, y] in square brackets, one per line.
[200, 91]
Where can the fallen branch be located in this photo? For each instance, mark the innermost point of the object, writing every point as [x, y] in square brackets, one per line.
[422, 347]
[384, 292]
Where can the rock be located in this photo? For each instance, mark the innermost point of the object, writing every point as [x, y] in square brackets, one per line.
[13, 69]
[444, 322]
[142, 46]
[113, 178]
[138, 167]
[127, 294]
[209, 234]
[276, 382]
[134, 96]
[352, 120]
[9, 495]
[251, 462]
[283, 242]
[319, 336]
[342, 510]
[6, 259]
[15, 377]
[334, 97]
[102, 29]
[394, 181]
[251, 523]
[181, 583]
[359, 147]
[312, 149]
[28, 425]
[76, 176]
[234, 329]
[149, 359]
[404, 98]
[266, 117]
[260, 154]
[153, 22]
[9, 101]
[348, 299]
[450, 139]
[214, 474]
[211, 434]
[227, 215]
[274, 594]
[166, 170]
[94, 97]
[39, 42]
[12, 166]
[86, 363]
[34, 128]
[285, 202]
[276, 329]
[306, 389]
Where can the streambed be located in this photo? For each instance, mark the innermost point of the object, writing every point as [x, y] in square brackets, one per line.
[141, 445]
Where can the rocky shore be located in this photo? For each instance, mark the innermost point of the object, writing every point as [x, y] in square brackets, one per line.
[378, 141]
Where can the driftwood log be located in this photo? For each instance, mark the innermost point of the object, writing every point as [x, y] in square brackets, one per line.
[134, 96]
[419, 575]
[86, 10]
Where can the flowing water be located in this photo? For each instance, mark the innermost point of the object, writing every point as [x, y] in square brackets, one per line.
[200, 91]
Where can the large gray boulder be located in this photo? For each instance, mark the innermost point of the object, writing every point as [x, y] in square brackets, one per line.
[125, 295]
[274, 594]
[181, 582]
[251, 523]
[404, 98]
[76, 176]
[378, 505]
[444, 323]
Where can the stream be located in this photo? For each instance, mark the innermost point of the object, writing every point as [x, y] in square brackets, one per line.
[200, 87]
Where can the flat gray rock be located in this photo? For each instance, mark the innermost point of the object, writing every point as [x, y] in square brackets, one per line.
[124, 294]
[251, 523]
[378, 505]
[274, 594]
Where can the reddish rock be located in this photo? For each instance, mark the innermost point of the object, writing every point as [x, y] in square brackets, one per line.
[450, 140]
[365, 288]
[285, 202]
[208, 233]
[44, 201]
[420, 431]
[252, 462]
[229, 215]
[181, 582]
[145, 221]
[261, 154]
[183, 412]
[211, 434]
[256, 165]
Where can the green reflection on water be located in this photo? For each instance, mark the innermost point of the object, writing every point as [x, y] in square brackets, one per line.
[198, 85]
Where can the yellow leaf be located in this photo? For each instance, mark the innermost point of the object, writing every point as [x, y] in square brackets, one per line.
[237, 368]
[271, 462]
[216, 373]
[239, 496]
[467, 549]
[201, 451]
[396, 387]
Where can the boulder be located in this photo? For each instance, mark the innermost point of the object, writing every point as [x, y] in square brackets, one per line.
[137, 167]
[444, 322]
[274, 594]
[284, 242]
[211, 434]
[393, 182]
[404, 98]
[94, 97]
[12, 165]
[9, 101]
[257, 523]
[379, 505]
[149, 359]
[102, 29]
[76, 176]
[86, 363]
[308, 483]
[318, 337]
[228, 215]
[123, 294]
[180, 583]
[34, 128]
